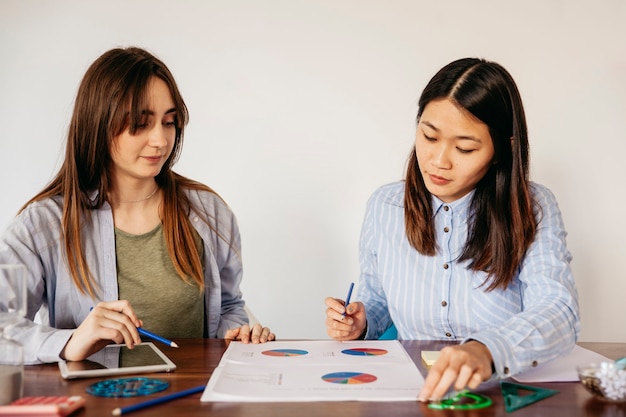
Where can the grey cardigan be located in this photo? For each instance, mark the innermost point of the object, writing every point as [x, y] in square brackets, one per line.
[34, 239]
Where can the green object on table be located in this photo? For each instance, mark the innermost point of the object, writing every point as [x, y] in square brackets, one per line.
[464, 400]
[514, 401]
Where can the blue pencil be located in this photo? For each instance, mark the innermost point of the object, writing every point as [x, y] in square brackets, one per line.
[155, 401]
[348, 297]
[151, 335]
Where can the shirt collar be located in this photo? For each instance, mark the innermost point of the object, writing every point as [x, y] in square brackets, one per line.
[457, 206]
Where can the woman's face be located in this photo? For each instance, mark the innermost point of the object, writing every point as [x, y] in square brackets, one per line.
[454, 149]
[142, 155]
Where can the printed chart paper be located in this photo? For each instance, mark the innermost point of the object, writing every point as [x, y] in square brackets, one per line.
[314, 370]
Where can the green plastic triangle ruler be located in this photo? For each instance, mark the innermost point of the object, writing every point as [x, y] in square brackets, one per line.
[514, 400]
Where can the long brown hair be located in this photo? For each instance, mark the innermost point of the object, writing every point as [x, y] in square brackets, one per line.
[109, 100]
[502, 223]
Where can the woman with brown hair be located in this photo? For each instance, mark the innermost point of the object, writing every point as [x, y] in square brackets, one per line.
[118, 240]
[466, 249]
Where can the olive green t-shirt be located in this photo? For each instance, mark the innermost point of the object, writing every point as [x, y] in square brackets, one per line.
[167, 305]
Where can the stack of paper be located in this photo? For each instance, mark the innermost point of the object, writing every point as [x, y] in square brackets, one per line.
[563, 368]
[316, 370]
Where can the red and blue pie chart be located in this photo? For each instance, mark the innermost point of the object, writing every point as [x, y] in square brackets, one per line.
[349, 378]
[285, 352]
[364, 352]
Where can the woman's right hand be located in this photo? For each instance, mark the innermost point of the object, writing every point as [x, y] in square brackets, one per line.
[344, 327]
[113, 321]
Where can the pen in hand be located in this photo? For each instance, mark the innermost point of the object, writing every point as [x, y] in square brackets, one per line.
[348, 298]
[153, 336]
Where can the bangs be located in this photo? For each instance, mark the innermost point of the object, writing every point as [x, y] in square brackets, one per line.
[131, 112]
[127, 111]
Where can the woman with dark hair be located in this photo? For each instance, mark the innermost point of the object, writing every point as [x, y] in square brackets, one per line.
[466, 249]
[118, 240]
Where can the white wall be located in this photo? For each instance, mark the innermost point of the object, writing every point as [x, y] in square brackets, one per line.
[300, 109]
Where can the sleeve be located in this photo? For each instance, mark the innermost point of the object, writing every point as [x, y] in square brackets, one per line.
[223, 266]
[233, 313]
[26, 242]
[549, 322]
[370, 291]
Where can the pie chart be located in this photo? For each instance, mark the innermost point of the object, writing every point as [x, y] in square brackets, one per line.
[364, 352]
[285, 352]
[349, 378]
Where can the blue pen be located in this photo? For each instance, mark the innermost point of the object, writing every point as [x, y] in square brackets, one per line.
[155, 401]
[348, 297]
[151, 335]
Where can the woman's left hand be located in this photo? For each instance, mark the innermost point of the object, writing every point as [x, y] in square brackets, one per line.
[465, 365]
[245, 334]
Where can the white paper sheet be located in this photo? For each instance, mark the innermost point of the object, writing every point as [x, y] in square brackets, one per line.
[561, 369]
[316, 370]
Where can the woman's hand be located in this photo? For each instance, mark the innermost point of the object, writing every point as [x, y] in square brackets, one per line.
[344, 327]
[245, 334]
[465, 365]
[113, 321]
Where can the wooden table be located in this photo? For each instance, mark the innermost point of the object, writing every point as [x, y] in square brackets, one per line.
[197, 358]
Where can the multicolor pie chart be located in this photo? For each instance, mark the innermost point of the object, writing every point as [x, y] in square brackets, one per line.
[285, 352]
[349, 378]
[364, 352]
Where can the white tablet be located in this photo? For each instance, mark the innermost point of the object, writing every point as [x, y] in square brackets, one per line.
[118, 360]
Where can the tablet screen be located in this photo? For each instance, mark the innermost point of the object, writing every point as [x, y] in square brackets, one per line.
[118, 359]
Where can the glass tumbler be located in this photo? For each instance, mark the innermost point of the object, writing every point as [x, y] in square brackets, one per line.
[12, 310]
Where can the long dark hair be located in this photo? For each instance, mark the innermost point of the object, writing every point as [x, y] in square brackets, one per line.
[502, 223]
[109, 100]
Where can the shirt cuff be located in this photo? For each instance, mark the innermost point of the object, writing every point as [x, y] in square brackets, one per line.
[51, 348]
[503, 360]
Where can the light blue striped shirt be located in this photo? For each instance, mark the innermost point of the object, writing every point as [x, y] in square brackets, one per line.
[438, 298]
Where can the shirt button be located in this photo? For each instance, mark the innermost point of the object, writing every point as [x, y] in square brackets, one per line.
[448, 334]
[534, 364]
[446, 230]
[446, 208]
[195, 219]
[506, 370]
[444, 303]
[446, 266]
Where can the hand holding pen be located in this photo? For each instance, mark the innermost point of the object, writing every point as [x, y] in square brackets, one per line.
[111, 321]
[153, 336]
[345, 320]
